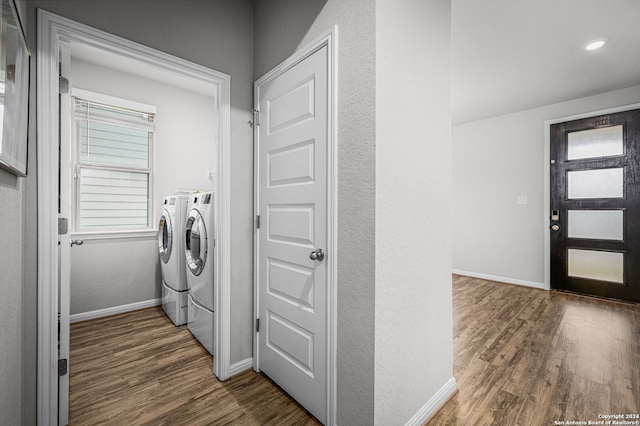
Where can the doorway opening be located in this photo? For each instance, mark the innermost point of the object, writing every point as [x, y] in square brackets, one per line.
[55, 36]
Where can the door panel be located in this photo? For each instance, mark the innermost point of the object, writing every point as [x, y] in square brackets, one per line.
[293, 224]
[596, 183]
[596, 264]
[291, 282]
[595, 206]
[292, 165]
[292, 203]
[596, 224]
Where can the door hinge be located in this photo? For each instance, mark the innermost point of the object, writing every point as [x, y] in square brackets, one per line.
[63, 85]
[62, 367]
[63, 225]
[257, 221]
[257, 325]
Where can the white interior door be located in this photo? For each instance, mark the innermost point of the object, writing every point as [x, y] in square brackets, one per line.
[292, 205]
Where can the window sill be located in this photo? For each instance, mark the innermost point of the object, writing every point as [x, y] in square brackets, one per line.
[110, 235]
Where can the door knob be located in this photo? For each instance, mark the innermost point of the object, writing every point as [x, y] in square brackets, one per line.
[317, 254]
[77, 242]
[555, 227]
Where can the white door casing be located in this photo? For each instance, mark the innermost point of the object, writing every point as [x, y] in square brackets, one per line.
[295, 200]
[53, 32]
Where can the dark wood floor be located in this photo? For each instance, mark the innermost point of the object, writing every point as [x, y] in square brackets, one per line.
[521, 357]
[530, 357]
[139, 369]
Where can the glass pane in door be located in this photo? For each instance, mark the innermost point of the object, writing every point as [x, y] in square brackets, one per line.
[596, 224]
[599, 183]
[596, 265]
[595, 143]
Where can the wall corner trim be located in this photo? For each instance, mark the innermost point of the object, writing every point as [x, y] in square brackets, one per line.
[434, 403]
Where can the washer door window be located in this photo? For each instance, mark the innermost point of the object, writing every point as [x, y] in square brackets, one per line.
[196, 243]
[165, 236]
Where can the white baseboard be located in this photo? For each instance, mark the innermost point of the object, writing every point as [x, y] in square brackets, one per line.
[500, 279]
[434, 403]
[240, 366]
[99, 313]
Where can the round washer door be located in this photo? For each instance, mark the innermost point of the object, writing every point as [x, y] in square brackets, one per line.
[195, 243]
[165, 236]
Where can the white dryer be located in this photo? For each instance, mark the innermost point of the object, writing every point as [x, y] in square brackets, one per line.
[172, 264]
[200, 258]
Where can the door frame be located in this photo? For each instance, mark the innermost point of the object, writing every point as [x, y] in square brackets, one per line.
[329, 39]
[547, 177]
[52, 31]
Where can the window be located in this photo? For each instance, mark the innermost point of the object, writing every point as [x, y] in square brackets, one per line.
[114, 166]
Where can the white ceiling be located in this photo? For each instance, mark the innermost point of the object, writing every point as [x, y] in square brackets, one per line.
[512, 55]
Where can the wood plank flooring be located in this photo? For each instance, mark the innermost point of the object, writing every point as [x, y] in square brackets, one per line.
[139, 369]
[527, 357]
[521, 357]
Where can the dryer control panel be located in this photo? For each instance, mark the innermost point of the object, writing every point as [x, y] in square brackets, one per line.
[203, 198]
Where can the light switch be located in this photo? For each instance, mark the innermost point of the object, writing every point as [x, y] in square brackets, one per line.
[522, 200]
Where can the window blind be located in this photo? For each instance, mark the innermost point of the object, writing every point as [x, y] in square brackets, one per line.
[114, 166]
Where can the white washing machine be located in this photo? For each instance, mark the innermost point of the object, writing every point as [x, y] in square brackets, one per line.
[172, 264]
[199, 232]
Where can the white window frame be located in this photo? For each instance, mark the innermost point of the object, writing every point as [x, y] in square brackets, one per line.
[76, 164]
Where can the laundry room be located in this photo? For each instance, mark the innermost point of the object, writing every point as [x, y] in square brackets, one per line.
[118, 269]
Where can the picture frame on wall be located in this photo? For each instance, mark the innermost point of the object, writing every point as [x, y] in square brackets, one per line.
[14, 91]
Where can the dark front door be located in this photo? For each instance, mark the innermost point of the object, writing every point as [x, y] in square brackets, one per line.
[595, 206]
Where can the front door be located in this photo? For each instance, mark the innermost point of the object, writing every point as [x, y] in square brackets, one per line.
[595, 206]
[292, 159]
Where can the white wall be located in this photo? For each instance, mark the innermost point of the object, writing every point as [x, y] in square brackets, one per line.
[495, 161]
[413, 350]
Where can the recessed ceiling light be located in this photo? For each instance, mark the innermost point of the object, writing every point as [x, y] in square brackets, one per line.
[595, 44]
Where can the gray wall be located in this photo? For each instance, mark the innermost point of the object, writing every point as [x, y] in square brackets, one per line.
[282, 26]
[12, 231]
[494, 161]
[17, 281]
